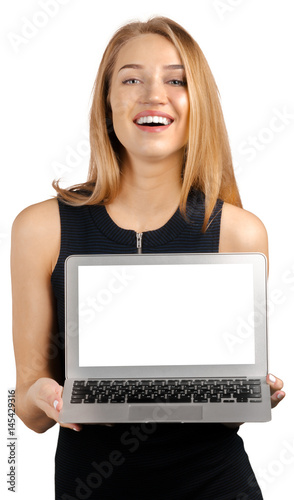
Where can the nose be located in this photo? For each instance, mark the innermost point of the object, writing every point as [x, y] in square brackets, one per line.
[154, 92]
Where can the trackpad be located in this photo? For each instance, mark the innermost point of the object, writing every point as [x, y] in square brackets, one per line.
[165, 413]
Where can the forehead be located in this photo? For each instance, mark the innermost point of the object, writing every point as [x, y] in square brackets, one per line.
[149, 48]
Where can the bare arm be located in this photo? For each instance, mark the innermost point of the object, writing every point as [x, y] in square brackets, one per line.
[34, 252]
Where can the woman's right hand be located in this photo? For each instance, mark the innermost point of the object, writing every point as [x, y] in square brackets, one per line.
[46, 394]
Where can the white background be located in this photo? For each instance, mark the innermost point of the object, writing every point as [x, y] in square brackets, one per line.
[45, 100]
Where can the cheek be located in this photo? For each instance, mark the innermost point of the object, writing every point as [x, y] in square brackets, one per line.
[119, 106]
[120, 116]
[184, 106]
[119, 102]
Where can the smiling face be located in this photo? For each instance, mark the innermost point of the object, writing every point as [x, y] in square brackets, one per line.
[149, 100]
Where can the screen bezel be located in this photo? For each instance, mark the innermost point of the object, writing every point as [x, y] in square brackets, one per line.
[72, 368]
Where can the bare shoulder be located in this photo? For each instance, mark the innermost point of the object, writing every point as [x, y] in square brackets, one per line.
[242, 231]
[37, 212]
[39, 219]
[36, 229]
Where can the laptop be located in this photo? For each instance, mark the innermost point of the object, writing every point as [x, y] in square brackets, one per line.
[166, 338]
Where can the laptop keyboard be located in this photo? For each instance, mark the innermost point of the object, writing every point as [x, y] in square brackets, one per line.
[167, 391]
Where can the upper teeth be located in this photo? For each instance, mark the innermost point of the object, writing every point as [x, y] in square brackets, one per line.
[153, 119]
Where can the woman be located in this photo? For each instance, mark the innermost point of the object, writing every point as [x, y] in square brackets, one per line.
[160, 180]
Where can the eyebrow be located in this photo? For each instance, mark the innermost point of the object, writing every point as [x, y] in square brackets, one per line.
[139, 66]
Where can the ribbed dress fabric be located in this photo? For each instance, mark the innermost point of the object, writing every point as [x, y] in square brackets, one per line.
[145, 461]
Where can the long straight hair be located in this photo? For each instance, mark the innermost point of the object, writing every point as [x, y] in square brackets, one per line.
[207, 163]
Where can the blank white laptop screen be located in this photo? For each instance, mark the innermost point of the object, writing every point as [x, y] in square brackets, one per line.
[161, 315]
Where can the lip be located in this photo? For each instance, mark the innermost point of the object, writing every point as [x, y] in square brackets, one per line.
[153, 130]
[151, 112]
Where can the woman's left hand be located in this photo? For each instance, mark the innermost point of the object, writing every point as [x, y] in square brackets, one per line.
[276, 385]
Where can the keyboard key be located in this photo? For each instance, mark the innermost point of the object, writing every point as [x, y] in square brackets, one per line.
[102, 399]
[215, 399]
[179, 399]
[143, 399]
[198, 399]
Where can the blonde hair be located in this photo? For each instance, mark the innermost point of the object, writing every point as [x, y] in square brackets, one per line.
[207, 160]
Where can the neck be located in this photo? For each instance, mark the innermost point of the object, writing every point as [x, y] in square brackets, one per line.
[149, 195]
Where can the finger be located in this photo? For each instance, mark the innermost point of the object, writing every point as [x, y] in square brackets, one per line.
[275, 383]
[47, 391]
[50, 401]
[277, 397]
[58, 404]
[52, 395]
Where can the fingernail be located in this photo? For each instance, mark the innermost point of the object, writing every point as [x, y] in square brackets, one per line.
[272, 378]
[55, 403]
[74, 429]
[280, 395]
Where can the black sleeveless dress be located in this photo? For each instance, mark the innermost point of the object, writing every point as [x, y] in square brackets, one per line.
[156, 460]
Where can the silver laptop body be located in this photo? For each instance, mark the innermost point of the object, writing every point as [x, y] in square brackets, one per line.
[166, 338]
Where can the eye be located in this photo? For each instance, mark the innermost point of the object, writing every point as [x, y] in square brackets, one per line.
[178, 83]
[131, 81]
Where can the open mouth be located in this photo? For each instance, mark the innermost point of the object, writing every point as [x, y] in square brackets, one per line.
[153, 121]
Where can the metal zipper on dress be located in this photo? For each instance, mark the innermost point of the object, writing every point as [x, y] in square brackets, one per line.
[139, 242]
